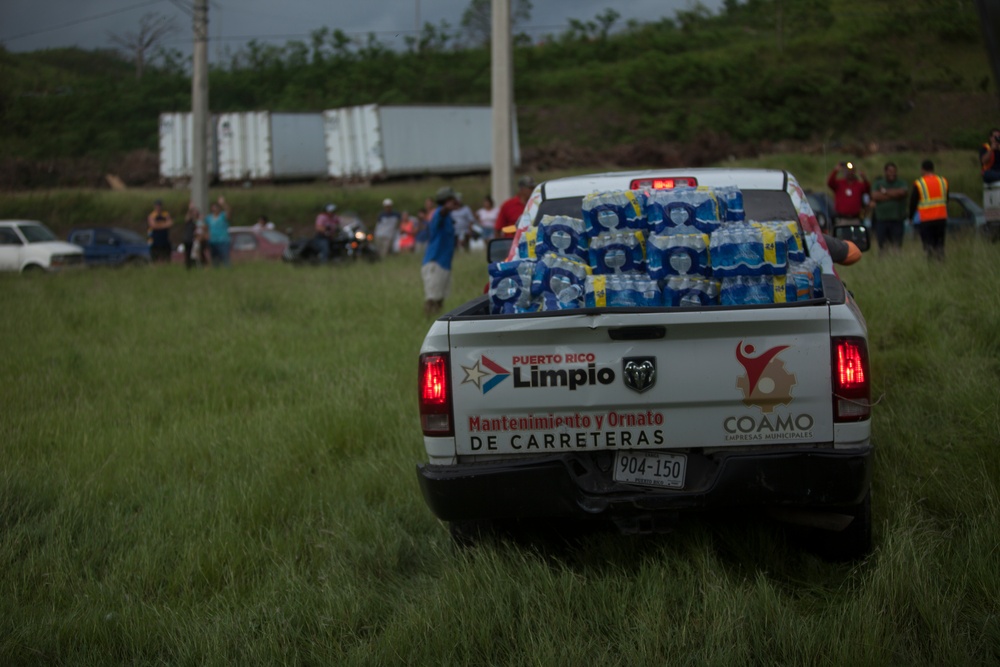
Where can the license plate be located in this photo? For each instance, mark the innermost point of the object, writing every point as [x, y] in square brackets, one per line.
[650, 468]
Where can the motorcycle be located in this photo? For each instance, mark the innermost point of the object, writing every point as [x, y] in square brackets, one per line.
[351, 243]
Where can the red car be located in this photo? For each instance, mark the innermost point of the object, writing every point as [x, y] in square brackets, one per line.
[249, 243]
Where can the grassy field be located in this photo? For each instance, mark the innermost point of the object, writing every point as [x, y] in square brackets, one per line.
[217, 467]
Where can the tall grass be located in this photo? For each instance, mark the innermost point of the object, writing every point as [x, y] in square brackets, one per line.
[217, 467]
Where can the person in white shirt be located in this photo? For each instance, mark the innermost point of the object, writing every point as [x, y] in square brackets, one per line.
[464, 219]
[385, 228]
[487, 216]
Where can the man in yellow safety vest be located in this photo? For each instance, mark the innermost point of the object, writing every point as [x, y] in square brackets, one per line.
[929, 206]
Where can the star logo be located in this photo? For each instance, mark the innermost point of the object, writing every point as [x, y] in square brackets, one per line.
[475, 374]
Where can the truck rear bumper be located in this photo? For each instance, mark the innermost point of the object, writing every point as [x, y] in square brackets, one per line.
[581, 485]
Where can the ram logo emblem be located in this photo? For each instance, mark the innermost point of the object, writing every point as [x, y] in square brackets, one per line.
[639, 373]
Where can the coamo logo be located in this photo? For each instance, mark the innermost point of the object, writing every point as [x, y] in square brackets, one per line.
[476, 374]
[766, 383]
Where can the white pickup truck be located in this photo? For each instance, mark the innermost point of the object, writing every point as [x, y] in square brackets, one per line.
[636, 415]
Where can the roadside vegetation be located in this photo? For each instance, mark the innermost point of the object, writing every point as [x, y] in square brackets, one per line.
[692, 88]
[294, 207]
[217, 467]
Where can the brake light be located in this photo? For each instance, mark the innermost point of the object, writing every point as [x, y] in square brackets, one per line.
[851, 380]
[435, 395]
[663, 183]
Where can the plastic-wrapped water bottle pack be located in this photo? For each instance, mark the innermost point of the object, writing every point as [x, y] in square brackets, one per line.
[561, 276]
[561, 235]
[681, 209]
[618, 252]
[685, 291]
[622, 291]
[678, 255]
[663, 248]
[615, 211]
[510, 285]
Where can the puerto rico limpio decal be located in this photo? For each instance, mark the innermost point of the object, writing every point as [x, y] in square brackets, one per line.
[477, 375]
[766, 383]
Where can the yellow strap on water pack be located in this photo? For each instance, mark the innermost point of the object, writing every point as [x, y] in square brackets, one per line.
[779, 289]
[770, 246]
[600, 291]
[634, 202]
[642, 242]
[530, 238]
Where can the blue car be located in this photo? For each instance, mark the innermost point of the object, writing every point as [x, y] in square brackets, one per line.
[111, 246]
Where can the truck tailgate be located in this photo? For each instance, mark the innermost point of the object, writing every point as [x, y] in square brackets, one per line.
[652, 380]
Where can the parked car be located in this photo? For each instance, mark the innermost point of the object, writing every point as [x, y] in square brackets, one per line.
[252, 243]
[28, 245]
[111, 246]
[964, 213]
[822, 206]
[249, 243]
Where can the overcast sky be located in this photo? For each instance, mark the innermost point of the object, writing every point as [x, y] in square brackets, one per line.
[28, 25]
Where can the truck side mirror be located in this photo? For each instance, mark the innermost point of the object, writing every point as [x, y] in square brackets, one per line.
[856, 234]
[498, 249]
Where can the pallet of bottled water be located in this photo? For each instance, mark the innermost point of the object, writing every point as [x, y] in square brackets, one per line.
[675, 248]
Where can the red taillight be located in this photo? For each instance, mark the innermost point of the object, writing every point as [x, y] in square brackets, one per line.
[851, 380]
[663, 183]
[435, 395]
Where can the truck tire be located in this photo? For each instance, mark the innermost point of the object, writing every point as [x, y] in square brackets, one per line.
[851, 543]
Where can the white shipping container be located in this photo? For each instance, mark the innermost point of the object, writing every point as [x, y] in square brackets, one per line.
[374, 141]
[176, 146]
[260, 145]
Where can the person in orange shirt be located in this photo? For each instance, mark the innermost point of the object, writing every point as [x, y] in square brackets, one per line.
[512, 209]
[929, 203]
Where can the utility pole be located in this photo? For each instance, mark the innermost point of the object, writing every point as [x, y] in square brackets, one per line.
[989, 21]
[502, 89]
[199, 108]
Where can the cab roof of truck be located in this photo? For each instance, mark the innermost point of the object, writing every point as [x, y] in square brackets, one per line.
[748, 179]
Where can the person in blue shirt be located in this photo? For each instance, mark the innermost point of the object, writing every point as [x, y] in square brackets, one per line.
[436, 269]
[218, 232]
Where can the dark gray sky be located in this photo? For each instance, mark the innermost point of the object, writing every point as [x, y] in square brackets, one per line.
[27, 25]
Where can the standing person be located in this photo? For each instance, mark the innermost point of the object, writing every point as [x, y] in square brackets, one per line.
[327, 227]
[407, 233]
[158, 224]
[192, 236]
[464, 219]
[487, 216]
[218, 232]
[386, 226]
[423, 219]
[889, 194]
[849, 187]
[929, 200]
[436, 269]
[512, 209]
[262, 224]
[989, 157]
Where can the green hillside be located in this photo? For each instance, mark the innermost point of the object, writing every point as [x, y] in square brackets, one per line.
[697, 87]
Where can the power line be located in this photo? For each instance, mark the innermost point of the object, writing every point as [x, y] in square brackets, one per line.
[84, 20]
[183, 6]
